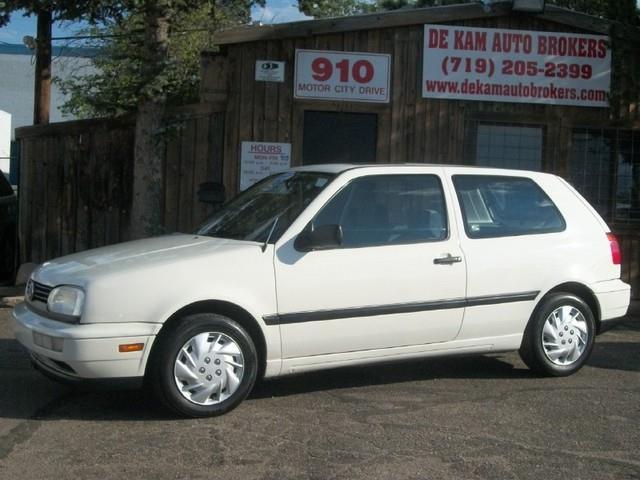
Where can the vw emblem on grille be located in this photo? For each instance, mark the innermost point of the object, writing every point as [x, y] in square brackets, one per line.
[29, 290]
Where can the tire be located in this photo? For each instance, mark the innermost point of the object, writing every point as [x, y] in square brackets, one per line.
[203, 366]
[559, 337]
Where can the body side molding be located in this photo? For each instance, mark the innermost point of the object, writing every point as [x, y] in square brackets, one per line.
[371, 311]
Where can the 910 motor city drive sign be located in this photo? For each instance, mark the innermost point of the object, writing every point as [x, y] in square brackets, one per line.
[516, 66]
[348, 76]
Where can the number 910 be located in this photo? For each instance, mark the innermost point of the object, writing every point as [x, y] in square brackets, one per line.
[361, 71]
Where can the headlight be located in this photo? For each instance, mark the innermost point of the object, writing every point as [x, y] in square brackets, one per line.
[66, 300]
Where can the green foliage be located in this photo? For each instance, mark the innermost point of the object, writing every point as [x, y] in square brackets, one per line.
[598, 8]
[625, 44]
[120, 76]
[402, 4]
[89, 10]
[330, 8]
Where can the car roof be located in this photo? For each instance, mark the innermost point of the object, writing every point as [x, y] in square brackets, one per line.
[337, 168]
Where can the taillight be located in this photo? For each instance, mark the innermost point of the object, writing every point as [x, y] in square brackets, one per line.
[616, 256]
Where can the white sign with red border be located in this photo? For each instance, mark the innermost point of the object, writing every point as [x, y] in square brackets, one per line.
[261, 159]
[347, 76]
[521, 66]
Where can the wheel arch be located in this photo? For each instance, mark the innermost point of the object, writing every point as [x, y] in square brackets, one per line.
[220, 307]
[580, 290]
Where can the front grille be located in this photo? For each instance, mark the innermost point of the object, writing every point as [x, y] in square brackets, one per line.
[41, 292]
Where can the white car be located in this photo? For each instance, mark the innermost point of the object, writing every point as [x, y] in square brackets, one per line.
[333, 265]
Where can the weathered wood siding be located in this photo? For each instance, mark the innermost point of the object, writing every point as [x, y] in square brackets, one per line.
[410, 128]
[76, 180]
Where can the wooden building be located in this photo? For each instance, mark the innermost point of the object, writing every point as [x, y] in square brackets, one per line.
[356, 89]
[580, 142]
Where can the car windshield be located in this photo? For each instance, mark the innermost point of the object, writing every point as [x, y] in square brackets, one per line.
[265, 210]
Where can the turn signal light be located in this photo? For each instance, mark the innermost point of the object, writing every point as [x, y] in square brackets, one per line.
[130, 347]
[616, 255]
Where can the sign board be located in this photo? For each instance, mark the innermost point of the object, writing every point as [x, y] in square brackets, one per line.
[521, 66]
[261, 159]
[5, 141]
[347, 76]
[269, 71]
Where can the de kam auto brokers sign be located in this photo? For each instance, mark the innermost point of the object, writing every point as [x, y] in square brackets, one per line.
[347, 76]
[516, 66]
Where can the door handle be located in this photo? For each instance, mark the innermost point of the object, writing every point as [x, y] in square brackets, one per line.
[447, 260]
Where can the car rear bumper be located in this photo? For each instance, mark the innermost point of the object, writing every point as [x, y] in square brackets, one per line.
[74, 352]
[613, 297]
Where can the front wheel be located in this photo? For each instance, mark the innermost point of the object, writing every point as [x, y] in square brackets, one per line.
[559, 338]
[205, 365]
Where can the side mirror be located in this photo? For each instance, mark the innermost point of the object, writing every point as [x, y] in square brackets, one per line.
[319, 238]
[211, 192]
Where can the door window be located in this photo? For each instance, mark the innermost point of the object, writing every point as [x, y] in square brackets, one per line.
[388, 210]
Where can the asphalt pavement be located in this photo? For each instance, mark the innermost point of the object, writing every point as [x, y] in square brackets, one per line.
[483, 417]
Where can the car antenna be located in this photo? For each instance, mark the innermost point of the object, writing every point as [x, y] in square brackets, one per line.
[273, 227]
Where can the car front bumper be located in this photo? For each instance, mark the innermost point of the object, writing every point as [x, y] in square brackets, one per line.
[74, 352]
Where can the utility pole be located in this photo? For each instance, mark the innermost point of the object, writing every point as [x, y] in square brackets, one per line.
[42, 93]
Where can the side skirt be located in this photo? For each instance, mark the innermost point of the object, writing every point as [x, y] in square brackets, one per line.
[505, 343]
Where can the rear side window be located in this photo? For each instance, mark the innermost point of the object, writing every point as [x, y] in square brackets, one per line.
[497, 206]
[388, 210]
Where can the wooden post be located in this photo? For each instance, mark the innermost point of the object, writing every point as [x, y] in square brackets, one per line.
[42, 93]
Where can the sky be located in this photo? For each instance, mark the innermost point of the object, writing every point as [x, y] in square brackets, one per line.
[276, 11]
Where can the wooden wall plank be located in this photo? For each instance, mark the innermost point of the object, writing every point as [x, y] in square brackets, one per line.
[259, 93]
[201, 161]
[39, 206]
[83, 192]
[271, 100]
[172, 181]
[53, 193]
[285, 94]
[98, 155]
[68, 214]
[187, 147]
[232, 122]
[25, 201]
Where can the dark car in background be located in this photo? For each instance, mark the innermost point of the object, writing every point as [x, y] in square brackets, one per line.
[8, 230]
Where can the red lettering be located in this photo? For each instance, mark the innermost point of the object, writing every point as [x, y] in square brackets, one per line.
[553, 46]
[470, 40]
[457, 40]
[438, 38]
[602, 48]
[582, 48]
[497, 46]
[542, 45]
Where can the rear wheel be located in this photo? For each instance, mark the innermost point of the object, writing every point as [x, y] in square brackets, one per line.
[559, 338]
[205, 365]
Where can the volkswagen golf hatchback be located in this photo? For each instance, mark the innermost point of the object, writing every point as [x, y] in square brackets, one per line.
[333, 265]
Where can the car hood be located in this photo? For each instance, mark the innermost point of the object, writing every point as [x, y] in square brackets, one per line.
[79, 268]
